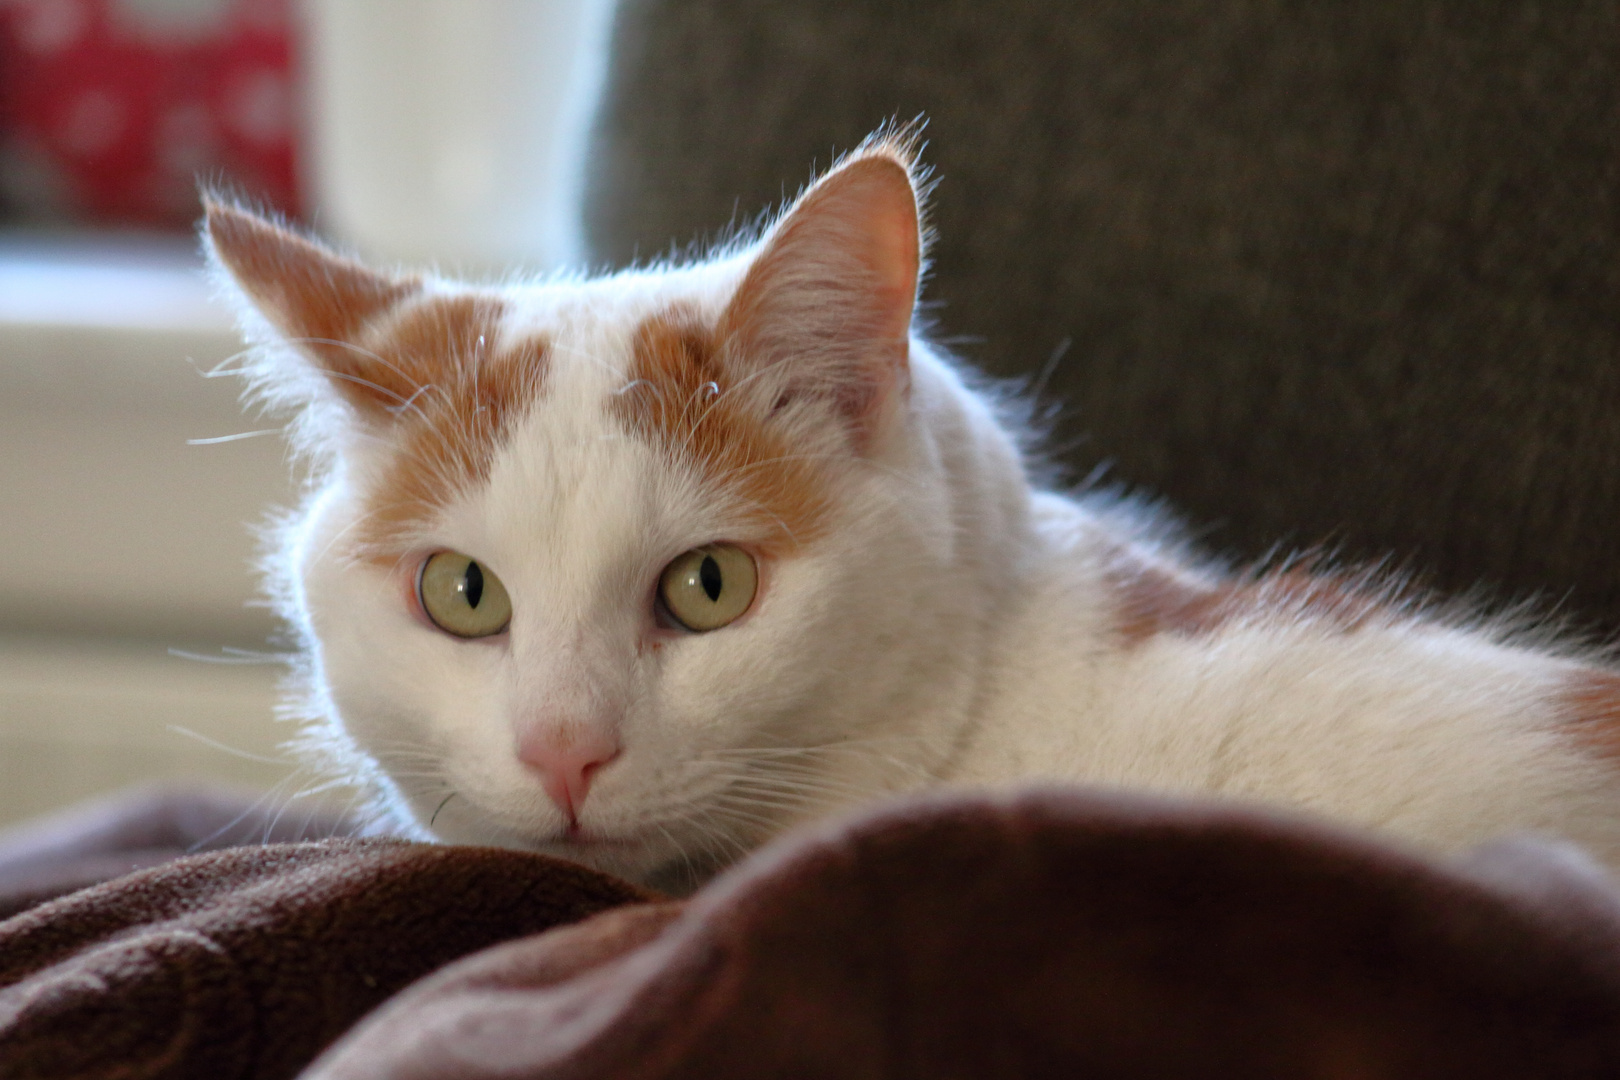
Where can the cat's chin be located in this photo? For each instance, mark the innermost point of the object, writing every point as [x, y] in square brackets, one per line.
[635, 855]
[634, 858]
[585, 848]
[647, 862]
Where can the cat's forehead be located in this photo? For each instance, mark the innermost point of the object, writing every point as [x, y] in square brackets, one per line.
[575, 504]
[594, 321]
[598, 408]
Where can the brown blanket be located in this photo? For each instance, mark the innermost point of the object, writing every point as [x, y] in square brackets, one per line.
[1058, 933]
[104, 838]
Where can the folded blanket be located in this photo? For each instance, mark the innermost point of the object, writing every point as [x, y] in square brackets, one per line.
[104, 838]
[248, 962]
[1053, 933]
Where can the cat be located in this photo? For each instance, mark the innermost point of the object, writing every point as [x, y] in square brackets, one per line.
[641, 570]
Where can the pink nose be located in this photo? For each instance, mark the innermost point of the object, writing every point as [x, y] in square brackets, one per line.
[567, 762]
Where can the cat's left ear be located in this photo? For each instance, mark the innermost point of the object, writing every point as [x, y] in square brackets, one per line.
[825, 308]
[318, 301]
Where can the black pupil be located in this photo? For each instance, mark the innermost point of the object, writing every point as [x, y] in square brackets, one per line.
[709, 577]
[472, 585]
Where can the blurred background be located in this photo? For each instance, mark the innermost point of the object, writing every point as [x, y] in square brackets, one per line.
[450, 131]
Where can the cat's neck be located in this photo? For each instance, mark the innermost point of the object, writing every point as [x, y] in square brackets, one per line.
[1040, 569]
[972, 534]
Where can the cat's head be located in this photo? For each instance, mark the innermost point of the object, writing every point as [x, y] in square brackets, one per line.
[633, 569]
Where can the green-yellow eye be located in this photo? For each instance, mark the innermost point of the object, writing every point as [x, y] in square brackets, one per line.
[462, 596]
[710, 586]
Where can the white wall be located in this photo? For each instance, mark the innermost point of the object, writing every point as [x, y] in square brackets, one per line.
[118, 540]
[451, 131]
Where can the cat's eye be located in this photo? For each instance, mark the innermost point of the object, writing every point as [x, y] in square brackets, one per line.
[463, 596]
[708, 587]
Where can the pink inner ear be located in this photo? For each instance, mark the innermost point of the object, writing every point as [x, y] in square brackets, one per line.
[829, 299]
[879, 196]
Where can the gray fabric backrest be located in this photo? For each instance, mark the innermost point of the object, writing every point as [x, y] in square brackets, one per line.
[1343, 273]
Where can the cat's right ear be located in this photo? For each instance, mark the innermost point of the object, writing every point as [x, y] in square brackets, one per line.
[825, 308]
[313, 299]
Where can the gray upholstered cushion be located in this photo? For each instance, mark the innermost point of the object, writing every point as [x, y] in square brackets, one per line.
[1328, 272]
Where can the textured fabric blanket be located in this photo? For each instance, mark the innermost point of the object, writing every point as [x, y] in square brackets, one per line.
[1052, 933]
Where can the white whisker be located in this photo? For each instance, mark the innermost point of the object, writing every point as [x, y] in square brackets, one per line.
[245, 755]
[238, 437]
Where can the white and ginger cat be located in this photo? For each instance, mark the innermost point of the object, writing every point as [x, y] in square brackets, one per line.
[642, 569]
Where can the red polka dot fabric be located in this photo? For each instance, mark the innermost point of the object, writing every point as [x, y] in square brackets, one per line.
[111, 111]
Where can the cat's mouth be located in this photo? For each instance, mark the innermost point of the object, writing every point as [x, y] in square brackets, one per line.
[626, 855]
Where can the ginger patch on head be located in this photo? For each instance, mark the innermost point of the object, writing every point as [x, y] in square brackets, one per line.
[419, 371]
[683, 400]
[462, 395]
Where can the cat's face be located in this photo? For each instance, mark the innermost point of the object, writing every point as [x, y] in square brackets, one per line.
[602, 567]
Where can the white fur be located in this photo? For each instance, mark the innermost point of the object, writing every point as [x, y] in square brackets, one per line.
[956, 626]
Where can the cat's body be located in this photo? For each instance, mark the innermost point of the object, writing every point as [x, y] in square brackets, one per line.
[923, 614]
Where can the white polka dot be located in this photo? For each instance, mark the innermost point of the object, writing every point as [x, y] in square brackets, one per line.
[49, 26]
[259, 107]
[92, 123]
[186, 140]
[170, 20]
[263, 15]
